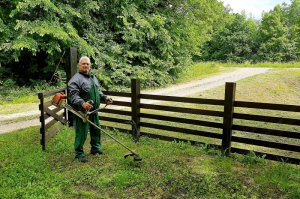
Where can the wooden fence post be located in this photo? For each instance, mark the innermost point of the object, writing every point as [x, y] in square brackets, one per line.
[228, 116]
[71, 69]
[135, 107]
[42, 120]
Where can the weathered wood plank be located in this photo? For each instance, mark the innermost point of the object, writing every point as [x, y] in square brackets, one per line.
[182, 110]
[182, 120]
[183, 99]
[265, 131]
[269, 106]
[274, 145]
[181, 130]
[261, 118]
[120, 94]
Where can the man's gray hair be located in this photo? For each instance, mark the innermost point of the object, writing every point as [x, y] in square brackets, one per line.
[84, 57]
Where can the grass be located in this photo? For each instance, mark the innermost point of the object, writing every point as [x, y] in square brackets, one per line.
[168, 170]
[199, 71]
[10, 93]
[16, 108]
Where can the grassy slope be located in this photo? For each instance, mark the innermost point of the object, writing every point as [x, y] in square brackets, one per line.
[168, 170]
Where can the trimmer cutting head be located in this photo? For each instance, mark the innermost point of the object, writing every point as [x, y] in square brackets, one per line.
[136, 157]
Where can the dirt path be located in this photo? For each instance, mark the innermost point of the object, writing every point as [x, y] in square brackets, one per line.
[6, 128]
[208, 83]
[176, 90]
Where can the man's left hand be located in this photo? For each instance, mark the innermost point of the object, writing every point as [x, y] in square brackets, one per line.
[109, 101]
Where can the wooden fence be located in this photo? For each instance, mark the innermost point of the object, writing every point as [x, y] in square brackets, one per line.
[52, 118]
[138, 118]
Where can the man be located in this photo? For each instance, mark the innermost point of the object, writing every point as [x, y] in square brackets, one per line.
[83, 89]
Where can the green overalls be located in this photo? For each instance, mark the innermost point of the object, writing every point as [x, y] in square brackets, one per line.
[82, 128]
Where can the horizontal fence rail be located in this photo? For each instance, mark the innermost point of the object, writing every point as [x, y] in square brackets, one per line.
[120, 94]
[269, 144]
[182, 110]
[262, 118]
[181, 130]
[183, 99]
[258, 105]
[182, 120]
[266, 131]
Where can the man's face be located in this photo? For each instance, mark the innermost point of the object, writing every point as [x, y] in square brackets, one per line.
[85, 66]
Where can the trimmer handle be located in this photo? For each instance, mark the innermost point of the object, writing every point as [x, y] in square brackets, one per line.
[91, 102]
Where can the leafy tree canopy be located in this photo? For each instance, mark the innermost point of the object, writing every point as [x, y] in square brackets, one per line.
[149, 40]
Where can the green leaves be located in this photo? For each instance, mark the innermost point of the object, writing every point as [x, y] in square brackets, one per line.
[26, 5]
[236, 42]
[277, 42]
[151, 40]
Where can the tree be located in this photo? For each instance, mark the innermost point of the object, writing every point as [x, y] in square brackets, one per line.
[36, 33]
[235, 42]
[145, 39]
[276, 42]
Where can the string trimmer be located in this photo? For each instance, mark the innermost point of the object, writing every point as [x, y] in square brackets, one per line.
[59, 100]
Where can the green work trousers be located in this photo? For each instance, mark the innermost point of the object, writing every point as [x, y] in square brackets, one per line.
[81, 135]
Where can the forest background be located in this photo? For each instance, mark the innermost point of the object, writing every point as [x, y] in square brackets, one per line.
[154, 41]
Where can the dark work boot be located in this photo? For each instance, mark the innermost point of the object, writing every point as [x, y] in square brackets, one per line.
[98, 152]
[82, 159]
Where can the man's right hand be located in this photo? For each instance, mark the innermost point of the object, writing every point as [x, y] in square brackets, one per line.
[87, 106]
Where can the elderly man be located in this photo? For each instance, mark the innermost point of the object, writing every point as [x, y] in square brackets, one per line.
[83, 88]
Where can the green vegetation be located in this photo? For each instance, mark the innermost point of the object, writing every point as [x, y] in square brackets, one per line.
[275, 38]
[144, 39]
[151, 40]
[168, 170]
[11, 94]
[262, 64]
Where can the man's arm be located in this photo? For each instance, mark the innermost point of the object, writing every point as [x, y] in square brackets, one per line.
[73, 92]
[105, 99]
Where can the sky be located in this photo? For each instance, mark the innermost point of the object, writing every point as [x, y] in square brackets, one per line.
[256, 7]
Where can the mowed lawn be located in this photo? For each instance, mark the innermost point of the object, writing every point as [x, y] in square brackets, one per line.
[168, 170]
